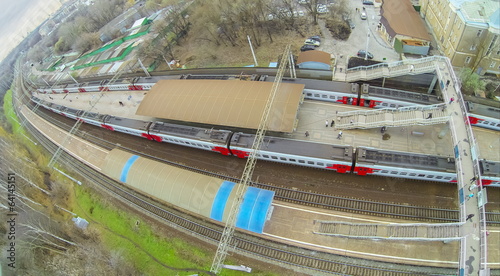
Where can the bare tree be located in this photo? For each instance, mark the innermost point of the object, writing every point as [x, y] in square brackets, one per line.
[312, 8]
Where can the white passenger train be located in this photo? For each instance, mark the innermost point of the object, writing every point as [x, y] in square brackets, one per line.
[338, 158]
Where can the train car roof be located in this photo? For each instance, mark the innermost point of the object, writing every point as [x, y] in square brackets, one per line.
[213, 135]
[296, 147]
[405, 159]
[223, 102]
[484, 110]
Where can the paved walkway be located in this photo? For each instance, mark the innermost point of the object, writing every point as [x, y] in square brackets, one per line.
[473, 245]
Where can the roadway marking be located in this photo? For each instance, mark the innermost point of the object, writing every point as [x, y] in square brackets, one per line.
[363, 253]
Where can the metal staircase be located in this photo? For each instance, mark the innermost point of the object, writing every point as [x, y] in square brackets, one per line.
[393, 231]
[392, 117]
[393, 69]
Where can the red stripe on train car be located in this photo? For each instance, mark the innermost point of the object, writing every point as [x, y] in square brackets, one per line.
[66, 91]
[484, 182]
[474, 120]
[63, 114]
[147, 136]
[364, 170]
[156, 138]
[107, 127]
[222, 150]
[373, 103]
[340, 168]
[81, 89]
[240, 153]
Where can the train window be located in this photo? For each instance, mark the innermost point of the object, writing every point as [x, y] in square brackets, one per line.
[403, 173]
[265, 156]
[293, 160]
[412, 174]
[439, 177]
[332, 97]
[309, 94]
[384, 171]
[324, 96]
[302, 161]
[392, 105]
[394, 172]
[421, 175]
[187, 143]
[274, 157]
[283, 158]
[492, 124]
[310, 162]
[447, 178]
[320, 164]
[384, 104]
[430, 176]
[316, 95]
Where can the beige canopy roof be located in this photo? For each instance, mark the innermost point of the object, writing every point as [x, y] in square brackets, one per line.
[222, 102]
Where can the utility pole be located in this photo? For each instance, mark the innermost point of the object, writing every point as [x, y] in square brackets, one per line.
[227, 235]
[77, 124]
[367, 41]
[144, 68]
[253, 54]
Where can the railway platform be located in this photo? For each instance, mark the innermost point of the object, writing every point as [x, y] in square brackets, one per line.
[297, 224]
[312, 117]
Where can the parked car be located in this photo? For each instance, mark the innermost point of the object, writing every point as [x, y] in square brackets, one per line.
[307, 48]
[350, 23]
[312, 42]
[363, 15]
[362, 53]
[315, 37]
[367, 2]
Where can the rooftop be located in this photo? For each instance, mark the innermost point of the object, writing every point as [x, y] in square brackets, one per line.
[399, 17]
[223, 102]
[479, 11]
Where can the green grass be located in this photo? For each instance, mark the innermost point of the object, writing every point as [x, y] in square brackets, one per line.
[123, 233]
[118, 229]
[10, 115]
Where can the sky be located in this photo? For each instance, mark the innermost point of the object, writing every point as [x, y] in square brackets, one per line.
[19, 17]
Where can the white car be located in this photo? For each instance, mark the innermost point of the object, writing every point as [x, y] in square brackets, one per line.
[312, 42]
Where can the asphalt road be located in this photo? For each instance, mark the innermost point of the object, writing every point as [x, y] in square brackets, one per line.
[342, 50]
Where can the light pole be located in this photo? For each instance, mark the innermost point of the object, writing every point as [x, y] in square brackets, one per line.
[367, 41]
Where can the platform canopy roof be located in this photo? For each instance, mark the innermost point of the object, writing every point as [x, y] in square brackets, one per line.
[233, 103]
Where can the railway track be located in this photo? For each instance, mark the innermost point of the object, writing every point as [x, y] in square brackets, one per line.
[311, 261]
[323, 201]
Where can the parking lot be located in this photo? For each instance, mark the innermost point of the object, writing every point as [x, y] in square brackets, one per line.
[342, 50]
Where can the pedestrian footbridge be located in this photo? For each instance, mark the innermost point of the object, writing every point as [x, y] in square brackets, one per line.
[392, 117]
[393, 231]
